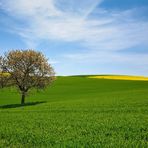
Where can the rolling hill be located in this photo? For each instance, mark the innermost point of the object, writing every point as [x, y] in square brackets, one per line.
[77, 111]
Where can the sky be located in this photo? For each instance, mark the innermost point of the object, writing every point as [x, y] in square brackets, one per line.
[79, 36]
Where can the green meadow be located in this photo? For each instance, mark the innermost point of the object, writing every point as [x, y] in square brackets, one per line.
[77, 112]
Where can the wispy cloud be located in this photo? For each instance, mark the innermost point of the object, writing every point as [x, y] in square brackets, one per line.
[69, 21]
[102, 32]
[50, 19]
[108, 58]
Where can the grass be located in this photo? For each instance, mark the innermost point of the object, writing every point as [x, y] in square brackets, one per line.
[77, 112]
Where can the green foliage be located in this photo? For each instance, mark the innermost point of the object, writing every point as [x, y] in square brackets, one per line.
[77, 112]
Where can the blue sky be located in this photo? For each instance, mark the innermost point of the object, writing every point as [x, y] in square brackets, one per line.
[80, 37]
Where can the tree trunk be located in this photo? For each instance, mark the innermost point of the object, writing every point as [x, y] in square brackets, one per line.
[23, 98]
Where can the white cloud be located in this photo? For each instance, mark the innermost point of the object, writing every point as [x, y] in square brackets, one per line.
[68, 21]
[31, 8]
[53, 62]
[108, 58]
[72, 20]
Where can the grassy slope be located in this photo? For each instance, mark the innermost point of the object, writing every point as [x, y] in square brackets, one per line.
[78, 112]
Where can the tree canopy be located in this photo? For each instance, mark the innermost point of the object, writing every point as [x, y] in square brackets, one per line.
[25, 69]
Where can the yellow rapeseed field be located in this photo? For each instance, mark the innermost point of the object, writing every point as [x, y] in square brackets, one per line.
[4, 74]
[120, 77]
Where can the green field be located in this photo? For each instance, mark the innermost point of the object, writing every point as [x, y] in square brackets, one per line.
[77, 112]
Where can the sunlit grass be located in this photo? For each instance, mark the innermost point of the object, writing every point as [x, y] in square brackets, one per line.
[77, 112]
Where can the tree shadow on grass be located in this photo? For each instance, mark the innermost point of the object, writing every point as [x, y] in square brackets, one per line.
[20, 105]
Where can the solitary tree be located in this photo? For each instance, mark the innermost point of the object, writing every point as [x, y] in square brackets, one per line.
[26, 69]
